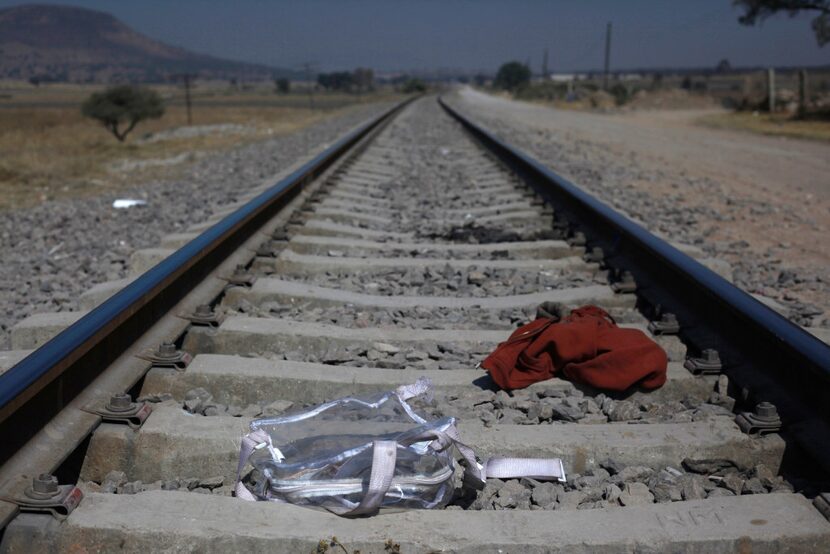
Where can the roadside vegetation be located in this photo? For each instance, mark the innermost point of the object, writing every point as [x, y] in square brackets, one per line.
[588, 90]
[732, 99]
[787, 103]
[776, 125]
[49, 149]
[800, 107]
[414, 86]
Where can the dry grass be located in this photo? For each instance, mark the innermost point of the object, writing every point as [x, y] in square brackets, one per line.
[777, 125]
[48, 150]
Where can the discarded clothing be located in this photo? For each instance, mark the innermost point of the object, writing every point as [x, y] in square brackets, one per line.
[586, 347]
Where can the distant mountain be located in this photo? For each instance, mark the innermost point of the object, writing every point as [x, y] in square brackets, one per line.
[63, 43]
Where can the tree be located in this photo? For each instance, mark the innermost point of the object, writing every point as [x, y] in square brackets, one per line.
[363, 78]
[124, 104]
[338, 80]
[723, 66]
[414, 85]
[283, 85]
[759, 10]
[512, 75]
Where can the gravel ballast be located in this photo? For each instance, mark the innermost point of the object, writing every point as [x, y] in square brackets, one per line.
[616, 164]
[413, 318]
[55, 251]
[464, 282]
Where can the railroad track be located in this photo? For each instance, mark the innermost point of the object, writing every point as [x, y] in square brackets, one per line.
[410, 248]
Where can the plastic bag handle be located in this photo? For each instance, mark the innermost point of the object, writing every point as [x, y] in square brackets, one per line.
[384, 457]
[249, 444]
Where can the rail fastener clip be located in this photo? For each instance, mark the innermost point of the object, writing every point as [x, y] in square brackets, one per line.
[121, 409]
[167, 355]
[43, 495]
[708, 363]
[762, 421]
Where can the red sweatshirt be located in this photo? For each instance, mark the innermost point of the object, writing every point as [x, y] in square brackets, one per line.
[585, 347]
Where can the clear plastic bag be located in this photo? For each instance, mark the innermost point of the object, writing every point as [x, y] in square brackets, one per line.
[323, 457]
[355, 456]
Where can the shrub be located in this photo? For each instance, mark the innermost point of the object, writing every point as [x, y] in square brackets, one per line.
[412, 86]
[123, 105]
[283, 85]
[512, 76]
[621, 94]
[546, 90]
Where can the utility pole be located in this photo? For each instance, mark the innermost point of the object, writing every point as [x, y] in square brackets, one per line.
[187, 98]
[802, 93]
[545, 65]
[607, 56]
[771, 89]
[308, 67]
[186, 77]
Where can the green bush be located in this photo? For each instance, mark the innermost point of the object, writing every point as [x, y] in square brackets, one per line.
[283, 85]
[620, 93]
[413, 86]
[123, 105]
[512, 76]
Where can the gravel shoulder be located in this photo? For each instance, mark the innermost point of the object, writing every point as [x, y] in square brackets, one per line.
[761, 203]
[54, 251]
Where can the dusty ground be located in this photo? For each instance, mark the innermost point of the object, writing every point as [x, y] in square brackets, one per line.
[48, 150]
[762, 203]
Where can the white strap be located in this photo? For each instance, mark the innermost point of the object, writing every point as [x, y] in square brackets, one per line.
[250, 442]
[241, 491]
[506, 468]
[384, 457]
[474, 469]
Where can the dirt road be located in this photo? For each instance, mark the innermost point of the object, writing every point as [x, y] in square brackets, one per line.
[762, 203]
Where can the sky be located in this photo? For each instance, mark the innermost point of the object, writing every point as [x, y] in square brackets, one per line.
[389, 35]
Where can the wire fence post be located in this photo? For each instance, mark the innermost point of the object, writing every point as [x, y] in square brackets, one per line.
[771, 89]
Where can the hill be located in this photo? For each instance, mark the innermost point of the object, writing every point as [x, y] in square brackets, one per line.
[62, 43]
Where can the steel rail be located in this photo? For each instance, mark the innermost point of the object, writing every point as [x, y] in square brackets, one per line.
[784, 363]
[86, 347]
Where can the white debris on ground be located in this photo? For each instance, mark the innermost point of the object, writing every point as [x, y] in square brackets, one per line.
[124, 203]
